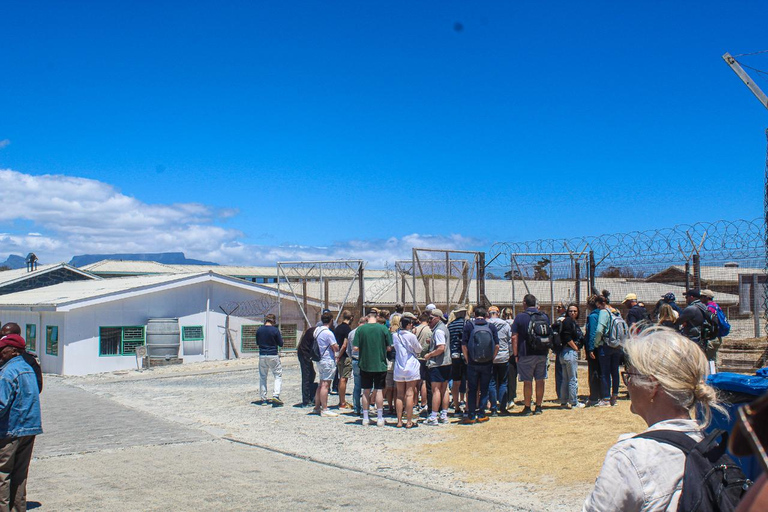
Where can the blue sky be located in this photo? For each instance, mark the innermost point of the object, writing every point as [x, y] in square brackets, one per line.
[253, 131]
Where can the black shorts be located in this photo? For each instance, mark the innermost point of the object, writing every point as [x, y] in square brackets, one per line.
[439, 374]
[458, 370]
[423, 371]
[375, 380]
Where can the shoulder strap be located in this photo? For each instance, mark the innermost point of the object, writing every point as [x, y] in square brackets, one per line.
[679, 440]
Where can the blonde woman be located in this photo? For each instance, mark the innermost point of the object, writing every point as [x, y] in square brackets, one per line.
[665, 376]
[667, 316]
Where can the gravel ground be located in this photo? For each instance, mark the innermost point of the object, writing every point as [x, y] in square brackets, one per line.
[218, 398]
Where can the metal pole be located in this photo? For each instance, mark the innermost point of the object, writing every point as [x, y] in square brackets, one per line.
[512, 277]
[226, 337]
[697, 271]
[447, 281]
[687, 276]
[551, 289]
[577, 288]
[279, 300]
[361, 289]
[592, 268]
[755, 305]
[304, 301]
[413, 277]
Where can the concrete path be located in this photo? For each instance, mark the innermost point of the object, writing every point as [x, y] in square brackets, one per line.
[99, 455]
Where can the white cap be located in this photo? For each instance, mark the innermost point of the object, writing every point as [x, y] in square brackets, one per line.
[430, 307]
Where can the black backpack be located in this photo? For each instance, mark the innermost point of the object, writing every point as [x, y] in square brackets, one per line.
[480, 346]
[557, 341]
[539, 332]
[712, 482]
[710, 328]
[316, 355]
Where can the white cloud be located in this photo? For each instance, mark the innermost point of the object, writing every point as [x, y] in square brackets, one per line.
[4, 143]
[71, 215]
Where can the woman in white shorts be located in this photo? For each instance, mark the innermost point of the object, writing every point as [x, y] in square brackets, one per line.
[406, 370]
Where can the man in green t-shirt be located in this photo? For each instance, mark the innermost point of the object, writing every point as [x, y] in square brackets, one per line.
[373, 340]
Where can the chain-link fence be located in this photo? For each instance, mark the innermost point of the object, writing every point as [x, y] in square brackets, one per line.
[727, 257]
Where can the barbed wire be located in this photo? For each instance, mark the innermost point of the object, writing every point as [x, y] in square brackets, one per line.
[721, 240]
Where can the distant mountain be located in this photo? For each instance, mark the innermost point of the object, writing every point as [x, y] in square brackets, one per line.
[14, 261]
[170, 258]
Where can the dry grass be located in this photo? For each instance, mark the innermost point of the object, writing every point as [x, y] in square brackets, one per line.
[559, 447]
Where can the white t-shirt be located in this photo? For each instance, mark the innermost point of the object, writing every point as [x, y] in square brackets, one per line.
[407, 349]
[439, 337]
[325, 339]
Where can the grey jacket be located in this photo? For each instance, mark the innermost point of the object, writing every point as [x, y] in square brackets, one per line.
[445, 358]
[505, 336]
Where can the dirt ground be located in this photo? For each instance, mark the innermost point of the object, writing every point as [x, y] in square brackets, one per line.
[560, 447]
[514, 462]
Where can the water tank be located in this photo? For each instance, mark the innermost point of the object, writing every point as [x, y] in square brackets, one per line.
[163, 338]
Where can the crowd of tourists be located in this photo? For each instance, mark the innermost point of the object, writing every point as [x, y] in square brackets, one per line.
[467, 363]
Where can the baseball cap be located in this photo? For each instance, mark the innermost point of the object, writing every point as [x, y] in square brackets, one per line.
[630, 296]
[708, 293]
[436, 312]
[430, 307]
[693, 293]
[493, 309]
[410, 315]
[12, 340]
[669, 297]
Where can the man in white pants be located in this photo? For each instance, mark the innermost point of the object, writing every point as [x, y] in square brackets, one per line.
[268, 338]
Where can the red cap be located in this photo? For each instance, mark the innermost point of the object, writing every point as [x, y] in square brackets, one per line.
[12, 340]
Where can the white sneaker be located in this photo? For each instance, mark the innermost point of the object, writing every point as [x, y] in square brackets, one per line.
[444, 420]
[328, 414]
[603, 403]
[432, 422]
[366, 422]
[380, 422]
[579, 405]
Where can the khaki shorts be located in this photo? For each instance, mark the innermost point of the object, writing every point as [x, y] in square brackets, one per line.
[345, 368]
[391, 378]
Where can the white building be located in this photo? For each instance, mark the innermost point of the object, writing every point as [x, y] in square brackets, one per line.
[94, 326]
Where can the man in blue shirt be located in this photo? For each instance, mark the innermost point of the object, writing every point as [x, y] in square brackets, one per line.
[19, 422]
[268, 338]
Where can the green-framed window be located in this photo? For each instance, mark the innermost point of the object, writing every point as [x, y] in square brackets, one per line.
[248, 338]
[52, 340]
[31, 338]
[121, 341]
[192, 333]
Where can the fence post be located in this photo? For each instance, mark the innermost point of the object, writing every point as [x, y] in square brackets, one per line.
[697, 271]
[304, 300]
[755, 305]
[687, 276]
[592, 267]
[481, 299]
[361, 289]
[577, 290]
[551, 289]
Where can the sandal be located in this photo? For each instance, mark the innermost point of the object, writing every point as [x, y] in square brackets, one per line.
[399, 425]
[412, 425]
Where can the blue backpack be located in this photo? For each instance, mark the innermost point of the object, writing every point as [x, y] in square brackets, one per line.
[725, 326]
[480, 345]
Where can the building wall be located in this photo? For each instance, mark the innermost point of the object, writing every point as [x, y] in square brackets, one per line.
[52, 362]
[194, 305]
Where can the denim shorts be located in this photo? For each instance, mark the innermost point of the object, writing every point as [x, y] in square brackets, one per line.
[326, 369]
[530, 368]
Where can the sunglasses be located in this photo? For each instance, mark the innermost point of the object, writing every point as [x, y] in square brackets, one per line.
[626, 376]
